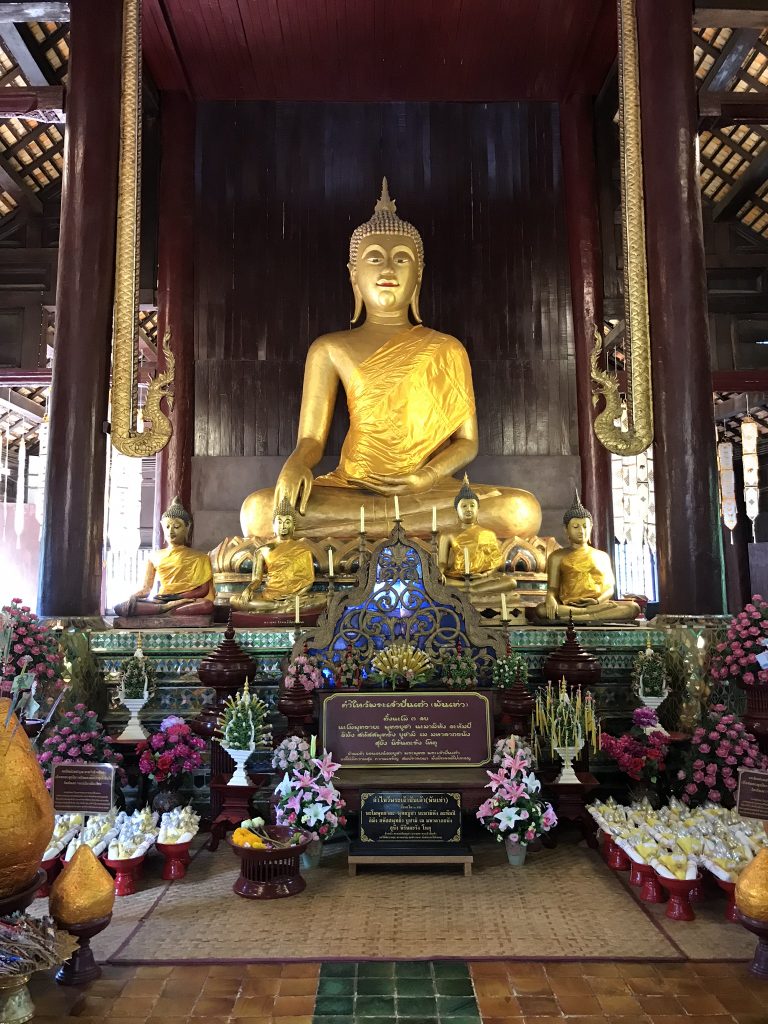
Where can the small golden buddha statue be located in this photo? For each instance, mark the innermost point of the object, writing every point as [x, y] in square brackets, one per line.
[289, 569]
[580, 581]
[185, 575]
[478, 546]
[412, 421]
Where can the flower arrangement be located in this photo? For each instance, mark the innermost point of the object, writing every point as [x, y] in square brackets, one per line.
[243, 723]
[349, 671]
[77, 738]
[640, 753]
[303, 674]
[508, 746]
[719, 748]
[34, 650]
[292, 753]
[516, 811]
[511, 669]
[649, 674]
[308, 800]
[735, 660]
[137, 677]
[402, 661]
[458, 669]
[170, 752]
[565, 720]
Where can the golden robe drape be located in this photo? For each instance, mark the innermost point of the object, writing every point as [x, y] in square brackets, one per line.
[580, 578]
[181, 569]
[483, 550]
[290, 570]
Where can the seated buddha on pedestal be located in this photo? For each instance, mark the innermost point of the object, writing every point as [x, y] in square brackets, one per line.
[185, 575]
[484, 578]
[411, 410]
[283, 571]
[580, 581]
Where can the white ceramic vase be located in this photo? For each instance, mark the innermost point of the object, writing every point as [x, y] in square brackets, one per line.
[239, 778]
[652, 702]
[567, 774]
[134, 729]
[515, 852]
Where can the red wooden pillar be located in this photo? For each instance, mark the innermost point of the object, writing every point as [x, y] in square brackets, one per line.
[584, 252]
[73, 527]
[687, 526]
[175, 297]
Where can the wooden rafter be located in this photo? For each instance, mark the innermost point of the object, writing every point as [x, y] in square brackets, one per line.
[724, 73]
[730, 14]
[734, 107]
[34, 10]
[12, 183]
[43, 103]
[22, 55]
[744, 188]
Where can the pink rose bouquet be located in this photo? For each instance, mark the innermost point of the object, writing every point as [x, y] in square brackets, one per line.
[515, 810]
[718, 749]
[32, 649]
[77, 738]
[735, 660]
[308, 800]
[170, 752]
[303, 674]
[640, 753]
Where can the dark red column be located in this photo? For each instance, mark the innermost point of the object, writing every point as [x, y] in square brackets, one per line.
[175, 296]
[580, 176]
[687, 526]
[73, 527]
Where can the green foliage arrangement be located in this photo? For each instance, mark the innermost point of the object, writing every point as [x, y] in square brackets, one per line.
[243, 724]
[511, 669]
[458, 669]
[649, 674]
[137, 677]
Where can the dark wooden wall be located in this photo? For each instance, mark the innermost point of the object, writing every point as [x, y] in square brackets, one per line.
[280, 187]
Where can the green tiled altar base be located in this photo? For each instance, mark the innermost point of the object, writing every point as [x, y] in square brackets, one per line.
[418, 992]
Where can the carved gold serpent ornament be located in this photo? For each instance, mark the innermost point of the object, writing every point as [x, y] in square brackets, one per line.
[125, 352]
[637, 333]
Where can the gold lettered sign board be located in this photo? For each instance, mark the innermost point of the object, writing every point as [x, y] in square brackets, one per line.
[83, 788]
[752, 798]
[388, 816]
[446, 729]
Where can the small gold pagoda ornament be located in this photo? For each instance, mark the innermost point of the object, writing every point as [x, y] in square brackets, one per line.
[83, 892]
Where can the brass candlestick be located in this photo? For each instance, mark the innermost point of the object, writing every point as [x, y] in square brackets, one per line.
[362, 552]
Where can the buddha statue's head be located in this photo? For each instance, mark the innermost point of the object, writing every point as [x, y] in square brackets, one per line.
[284, 520]
[467, 504]
[578, 522]
[386, 261]
[177, 524]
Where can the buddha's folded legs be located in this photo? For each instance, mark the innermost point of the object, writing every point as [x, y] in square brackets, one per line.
[335, 511]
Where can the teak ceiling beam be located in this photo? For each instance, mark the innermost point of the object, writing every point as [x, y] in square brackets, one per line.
[21, 405]
[21, 53]
[41, 103]
[12, 183]
[725, 71]
[744, 187]
[730, 14]
[717, 108]
[34, 10]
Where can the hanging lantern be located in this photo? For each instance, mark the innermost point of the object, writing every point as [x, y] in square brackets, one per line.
[750, 467]
[727, 485]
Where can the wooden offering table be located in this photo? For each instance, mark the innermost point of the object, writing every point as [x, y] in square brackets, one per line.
[569, 800]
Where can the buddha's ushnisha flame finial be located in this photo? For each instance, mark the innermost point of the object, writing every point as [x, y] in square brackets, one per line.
[177, 511]
[577, 510]
[385, 221]
[285, 508]
[465, 493]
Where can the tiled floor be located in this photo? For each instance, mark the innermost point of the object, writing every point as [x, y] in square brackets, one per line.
[442, 992]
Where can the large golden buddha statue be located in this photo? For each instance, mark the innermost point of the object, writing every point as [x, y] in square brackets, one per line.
[185, 576]
[471, 557]
[411, 410]
[580, 580]
[283, 572]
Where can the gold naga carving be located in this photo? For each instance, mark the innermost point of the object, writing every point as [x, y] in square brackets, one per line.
[125, 354]
[639, 436]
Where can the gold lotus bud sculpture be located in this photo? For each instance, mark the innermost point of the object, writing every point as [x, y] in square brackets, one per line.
[83, 892]
[752, 888]
[26, 810]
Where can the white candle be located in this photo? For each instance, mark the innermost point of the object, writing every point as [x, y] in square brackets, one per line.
[397, 509]
[466, 560]
[503, 607]
[297, 612]
[330, 562]
[362, 519]
[434, 519]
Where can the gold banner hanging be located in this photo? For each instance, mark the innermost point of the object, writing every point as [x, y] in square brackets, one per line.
[125, 353]
[639, 436]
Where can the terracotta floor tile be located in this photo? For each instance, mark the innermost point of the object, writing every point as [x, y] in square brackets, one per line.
[305, 970]
[263, 970]
[571, 986]
[601, 970]
[142, 987]
[741, 1000]
[660, 1005]
[523, 969]
[609, 986]
[175, 986]
[261, 986]
[578, 1003]
[540, 1006]
[682, 1019]
[491, 1007]
[132, 1007]
[619, 1004]
[162, 971]
[213, 1007]
[227, 970]
[493, 987]
[174, 1006]
[638, 970]
[297, 986]
[529, 984]
[590, 1019]
[293, 1006]
[702, 1004]
[255, 1006]
[89, 1006]
[647, 985]
[302, 1019]
[191, 972]
[223, 987]
[565, 970]
[482, 968]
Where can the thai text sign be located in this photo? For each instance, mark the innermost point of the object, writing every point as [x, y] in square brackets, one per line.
[752, 799]
[407, 817]
[408, 730]
[85, 788]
